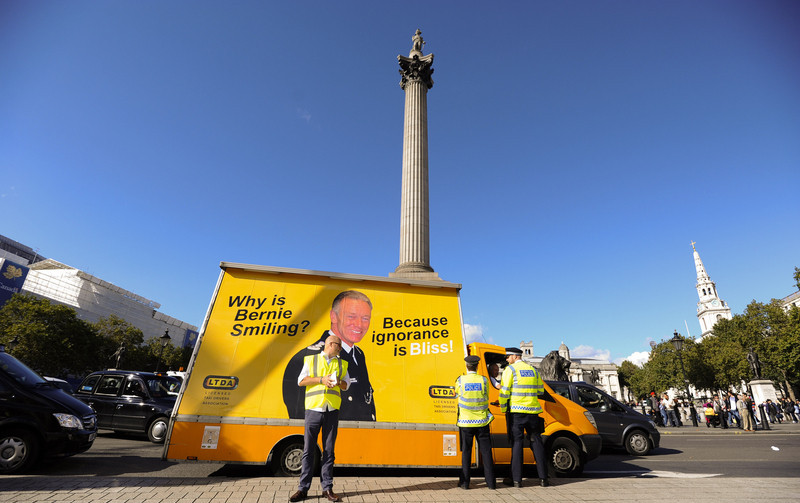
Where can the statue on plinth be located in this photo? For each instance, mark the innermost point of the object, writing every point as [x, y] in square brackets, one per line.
[755, 363]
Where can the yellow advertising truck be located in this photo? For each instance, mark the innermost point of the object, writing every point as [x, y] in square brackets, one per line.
[241, 403]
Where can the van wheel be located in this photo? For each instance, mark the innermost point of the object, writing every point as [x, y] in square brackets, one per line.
[157, 432]
[565, 460]
[637, 443]
[287, 460]
[19, 450]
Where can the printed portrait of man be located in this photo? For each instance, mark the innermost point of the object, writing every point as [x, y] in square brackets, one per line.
[351, 312]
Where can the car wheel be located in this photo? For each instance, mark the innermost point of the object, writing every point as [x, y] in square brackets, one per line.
[19, 450]
[564, 460]
[157, 432]
[637, 443]
[287, 460]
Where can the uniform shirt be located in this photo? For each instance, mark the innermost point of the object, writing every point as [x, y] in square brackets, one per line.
[517, 397]
[474, 410]
[306, 371]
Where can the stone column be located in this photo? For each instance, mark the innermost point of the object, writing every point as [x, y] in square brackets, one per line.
[416, 71]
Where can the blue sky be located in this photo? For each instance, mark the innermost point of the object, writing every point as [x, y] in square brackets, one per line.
[575, 151]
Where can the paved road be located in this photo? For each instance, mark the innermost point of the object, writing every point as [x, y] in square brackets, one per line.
[691, 464]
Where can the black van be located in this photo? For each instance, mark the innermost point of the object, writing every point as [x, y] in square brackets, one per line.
[37, 419]
[618, 424]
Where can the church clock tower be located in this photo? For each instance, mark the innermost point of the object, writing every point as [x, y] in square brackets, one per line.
[710, 308]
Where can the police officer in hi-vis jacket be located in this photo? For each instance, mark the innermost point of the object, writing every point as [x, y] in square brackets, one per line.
[472, 391]
[520, 388]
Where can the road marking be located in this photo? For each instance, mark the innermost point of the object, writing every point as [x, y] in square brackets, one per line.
[655, 474]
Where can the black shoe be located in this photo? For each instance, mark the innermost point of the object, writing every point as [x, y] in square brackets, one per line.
[492, 487]
[464, 485]
[298, 496]
[544, 483]
[507, 481]
[330, 495]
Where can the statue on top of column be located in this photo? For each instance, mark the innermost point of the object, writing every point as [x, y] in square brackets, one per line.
[416, 66]
[418, 42]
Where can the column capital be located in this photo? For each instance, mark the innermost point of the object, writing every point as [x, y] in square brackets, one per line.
[416, 68]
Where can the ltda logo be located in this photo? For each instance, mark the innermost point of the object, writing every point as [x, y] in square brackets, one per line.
[442, 391]
[221, 382]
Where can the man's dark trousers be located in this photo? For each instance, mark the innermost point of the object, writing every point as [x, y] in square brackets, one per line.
[527, 426]
[328, 422]
[485, 446]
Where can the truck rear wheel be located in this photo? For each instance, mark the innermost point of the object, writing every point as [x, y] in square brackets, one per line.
[565, 459]
[287, 460]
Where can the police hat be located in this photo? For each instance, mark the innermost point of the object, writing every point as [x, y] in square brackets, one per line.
[472, 359]
[513, 351]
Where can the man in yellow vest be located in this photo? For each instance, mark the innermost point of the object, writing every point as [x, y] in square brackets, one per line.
[473, 421]
[324, 375]
[520, 387]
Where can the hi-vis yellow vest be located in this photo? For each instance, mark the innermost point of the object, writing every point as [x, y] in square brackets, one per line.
[473, 401]
[319, 394]
[520, 388]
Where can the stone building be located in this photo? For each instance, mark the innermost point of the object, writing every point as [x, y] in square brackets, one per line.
[91, 297]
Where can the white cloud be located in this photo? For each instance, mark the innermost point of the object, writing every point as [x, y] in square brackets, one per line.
[637, 358]
[474, 333]
[304, 114]
[584, 351]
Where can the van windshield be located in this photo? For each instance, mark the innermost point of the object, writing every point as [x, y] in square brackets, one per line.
[19, 372]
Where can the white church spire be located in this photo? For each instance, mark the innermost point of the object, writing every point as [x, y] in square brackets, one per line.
[710, 307]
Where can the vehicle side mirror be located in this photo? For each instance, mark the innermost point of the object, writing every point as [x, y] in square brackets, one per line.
[546, 397]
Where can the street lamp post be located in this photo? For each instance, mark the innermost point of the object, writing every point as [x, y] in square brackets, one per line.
[164, 341]
[678, 343]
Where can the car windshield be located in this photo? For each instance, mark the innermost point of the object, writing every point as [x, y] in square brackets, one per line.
[19, 372]
[163, 386]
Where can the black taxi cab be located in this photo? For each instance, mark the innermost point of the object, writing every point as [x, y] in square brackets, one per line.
[130, 401]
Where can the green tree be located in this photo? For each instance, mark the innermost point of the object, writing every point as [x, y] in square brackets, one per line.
[116, 332]
[787, 357]
[770, 331]
[52, 339]
[626, 372]
[722, 359]
[663, 370]
[660, 372]
[170, 358]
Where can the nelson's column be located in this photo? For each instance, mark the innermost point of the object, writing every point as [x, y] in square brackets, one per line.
[416, 71]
